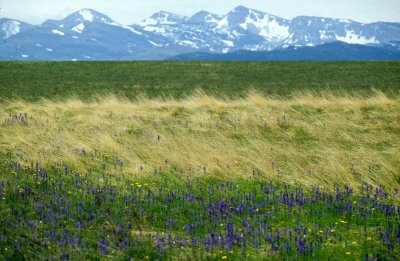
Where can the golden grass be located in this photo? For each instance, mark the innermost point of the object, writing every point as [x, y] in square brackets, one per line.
[310, 140]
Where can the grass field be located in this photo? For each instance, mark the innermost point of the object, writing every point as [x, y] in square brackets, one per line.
[158, 169]
[33, 80]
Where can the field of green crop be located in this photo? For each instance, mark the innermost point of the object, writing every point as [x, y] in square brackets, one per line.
[33, 80]
[199, 161]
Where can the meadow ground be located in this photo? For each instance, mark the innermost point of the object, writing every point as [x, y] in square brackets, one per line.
[34, 80]
[178, 173]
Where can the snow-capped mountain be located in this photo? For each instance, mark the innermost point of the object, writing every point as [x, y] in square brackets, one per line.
[90, 35]
[203, 17]
[270, 27]
[163, 18]
[84, 35]
[244, 24]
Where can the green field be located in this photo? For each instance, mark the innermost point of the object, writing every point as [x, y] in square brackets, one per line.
[33, 80]
[199, 161]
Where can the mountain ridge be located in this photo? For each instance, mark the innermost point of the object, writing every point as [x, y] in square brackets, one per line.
[334, 51]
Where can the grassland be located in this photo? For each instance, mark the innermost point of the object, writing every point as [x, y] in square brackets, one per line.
[119, 160]
[52, 80]
[308, 140]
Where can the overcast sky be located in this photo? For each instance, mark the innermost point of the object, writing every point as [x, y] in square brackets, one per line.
[133, 11]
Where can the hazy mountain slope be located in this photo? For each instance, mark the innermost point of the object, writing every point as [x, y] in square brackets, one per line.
[335, 51]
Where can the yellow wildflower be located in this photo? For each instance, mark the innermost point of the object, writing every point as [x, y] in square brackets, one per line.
[224, 257]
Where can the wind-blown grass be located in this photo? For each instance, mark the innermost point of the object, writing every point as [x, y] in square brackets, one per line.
[323, 140]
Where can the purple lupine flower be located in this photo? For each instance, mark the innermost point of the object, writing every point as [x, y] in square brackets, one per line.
[103, 246]
[277, 235]
[229, 226]
[64, 256]
[123, 244]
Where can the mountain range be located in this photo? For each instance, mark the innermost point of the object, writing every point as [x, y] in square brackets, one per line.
[90, 35]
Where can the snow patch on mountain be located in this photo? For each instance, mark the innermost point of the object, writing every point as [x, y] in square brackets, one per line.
[203, 17]
[86, 15]
[54, 31]
[347, 21]
[79, 28]
[155, 44]
[223, 23]
[189, 43]
[127, 27]
[323, 35]
[11, 28]
[274, 30]
[156, 29]
[265, 25]
[256, 47]
[130, 29]
[228, 43]
[210, 18]
[352, 38]
[162, 18]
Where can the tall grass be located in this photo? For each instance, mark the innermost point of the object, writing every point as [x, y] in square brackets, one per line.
[326, 140]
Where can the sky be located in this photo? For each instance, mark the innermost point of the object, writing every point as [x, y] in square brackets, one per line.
[133, 11]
